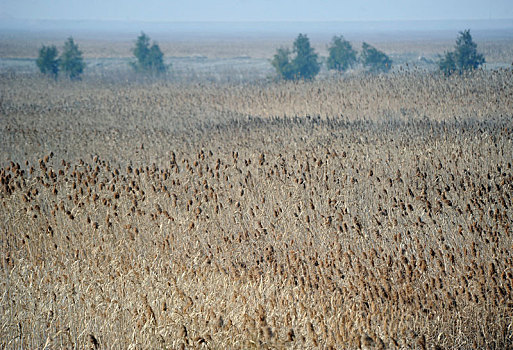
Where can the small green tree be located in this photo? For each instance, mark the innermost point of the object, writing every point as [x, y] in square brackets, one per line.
[342, 56]
[304, 65]
[149, 59]
[447, 64]
[47, 61]
[306, 62]
[464, 57]
[71, 60]
[281, 62]
[375, 60]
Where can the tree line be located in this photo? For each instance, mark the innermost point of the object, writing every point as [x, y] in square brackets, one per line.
[302, 62]
[149, 59]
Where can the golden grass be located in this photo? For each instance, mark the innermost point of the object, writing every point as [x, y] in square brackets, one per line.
[232, 216]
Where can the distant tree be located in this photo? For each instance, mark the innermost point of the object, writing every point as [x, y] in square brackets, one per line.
[374, 60]
[304, 64]
[47, 61]
[141, 51]
[71, 61]
[342, 56]
[149, 59]
[281, 62]
[464, 57]
[466, 54]
[447, 64]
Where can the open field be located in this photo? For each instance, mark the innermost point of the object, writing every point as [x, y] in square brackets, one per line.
[349, 212]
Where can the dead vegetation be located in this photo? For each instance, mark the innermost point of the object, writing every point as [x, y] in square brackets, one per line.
[356, 213]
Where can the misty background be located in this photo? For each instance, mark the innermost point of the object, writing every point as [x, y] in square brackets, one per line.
[237, 38]
[254, 15]
[256, 10]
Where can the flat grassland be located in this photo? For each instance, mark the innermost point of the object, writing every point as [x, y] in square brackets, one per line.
[349, 212]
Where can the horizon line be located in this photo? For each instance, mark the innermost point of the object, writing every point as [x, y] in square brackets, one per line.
[262, 20]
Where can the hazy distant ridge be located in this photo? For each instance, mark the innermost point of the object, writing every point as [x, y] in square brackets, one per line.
[237, 28]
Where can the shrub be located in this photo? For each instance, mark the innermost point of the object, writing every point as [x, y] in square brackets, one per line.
[465, 56]
[341, 54]
[47, 61]
[149, 59]
[71, 61]
[304, 65]
[375, 60]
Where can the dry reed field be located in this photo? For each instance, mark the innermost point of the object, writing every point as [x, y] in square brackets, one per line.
[364, 212]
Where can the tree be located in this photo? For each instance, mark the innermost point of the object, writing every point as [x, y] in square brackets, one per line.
[464, 57]
[342, 56]
[71, 60]
[375, 60]
[447, 64]
[47, 60]
[304, 65]
[281, 62]
[149, 59]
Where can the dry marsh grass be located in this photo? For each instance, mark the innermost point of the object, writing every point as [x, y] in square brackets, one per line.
[367, 212]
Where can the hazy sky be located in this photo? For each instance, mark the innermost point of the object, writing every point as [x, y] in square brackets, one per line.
[256, 10]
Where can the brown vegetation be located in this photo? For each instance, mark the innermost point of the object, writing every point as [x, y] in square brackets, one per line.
[356, 213]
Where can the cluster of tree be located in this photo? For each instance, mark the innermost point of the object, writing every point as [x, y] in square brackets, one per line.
[464, 57]
[149, 59]
[304, 63]
[70, 62]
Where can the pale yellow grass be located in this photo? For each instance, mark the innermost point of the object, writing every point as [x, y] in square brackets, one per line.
[199, 216]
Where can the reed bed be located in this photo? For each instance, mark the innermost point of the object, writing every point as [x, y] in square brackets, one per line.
[364, 212]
